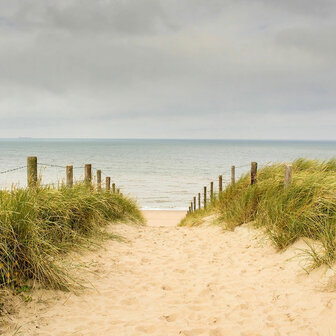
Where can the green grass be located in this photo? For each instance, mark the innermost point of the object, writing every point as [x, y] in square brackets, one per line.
[307, 208]
[198, 217]
[40, 225]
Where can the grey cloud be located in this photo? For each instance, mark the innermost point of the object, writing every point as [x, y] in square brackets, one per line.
[175, 68]
[87, 16]
[320, 41]
[148, 16]
[135, 17]
[311, 8]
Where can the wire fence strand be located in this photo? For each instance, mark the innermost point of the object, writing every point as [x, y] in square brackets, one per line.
[11, 170]
[58, 166]
[50, 165]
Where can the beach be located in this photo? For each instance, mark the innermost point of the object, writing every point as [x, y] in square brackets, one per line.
[168, 280]
[167, 168]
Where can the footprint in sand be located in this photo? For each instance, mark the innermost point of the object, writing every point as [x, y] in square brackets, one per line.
[166, 288]
[205, 293]
[171, 317]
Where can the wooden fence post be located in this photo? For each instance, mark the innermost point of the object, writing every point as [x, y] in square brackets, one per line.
[113, 188]
[288, 175]
[199, 200]
[195, 203]
[118, 191]
[98, 179]
[108, 183]
[220, 181]
[254, 169]
[233, 175]
[211, 191]
[191, 206]
[88, 173]
[69, 176]
[32, 171]
[205, 197]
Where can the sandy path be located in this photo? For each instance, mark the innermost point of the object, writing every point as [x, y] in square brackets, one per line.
[186, 281]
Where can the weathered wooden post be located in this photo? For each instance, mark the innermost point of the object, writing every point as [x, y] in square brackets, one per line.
[288, 175]
[31, 171]
[211, 191]
[118, 191]
[99, 179]
[88, 173]
[254, 169]
[233, 175]
[191, 206]
[199, 200]
[220, 183]
[108, 183]
[69, 176]
[205, 197]
[195, 203]
[113, 188]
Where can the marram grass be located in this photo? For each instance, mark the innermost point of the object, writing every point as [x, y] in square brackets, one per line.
[305, 209]
[39, 225]
[198, 217]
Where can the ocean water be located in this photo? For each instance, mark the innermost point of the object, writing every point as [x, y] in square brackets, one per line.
[160, 174]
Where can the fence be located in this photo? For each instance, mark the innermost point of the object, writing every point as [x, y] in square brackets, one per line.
[32, 174]
[253, 180]
[32, 179]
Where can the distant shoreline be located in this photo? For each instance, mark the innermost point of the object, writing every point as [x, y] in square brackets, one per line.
[172, 139]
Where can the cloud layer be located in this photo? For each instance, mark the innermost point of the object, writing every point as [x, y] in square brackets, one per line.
[168, 68]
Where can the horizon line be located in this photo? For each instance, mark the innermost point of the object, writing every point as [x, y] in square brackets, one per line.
[179, 139]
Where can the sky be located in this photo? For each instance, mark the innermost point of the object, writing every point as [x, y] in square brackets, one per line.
[222, 69]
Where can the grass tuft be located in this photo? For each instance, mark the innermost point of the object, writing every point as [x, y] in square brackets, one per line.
[307, 208]
[39, 225]
[196, 218]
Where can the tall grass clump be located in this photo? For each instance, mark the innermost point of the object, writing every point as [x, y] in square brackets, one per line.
[305, 209]
[197, 217]
[39, 225]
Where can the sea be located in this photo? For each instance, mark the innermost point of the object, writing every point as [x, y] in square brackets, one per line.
[159, 174]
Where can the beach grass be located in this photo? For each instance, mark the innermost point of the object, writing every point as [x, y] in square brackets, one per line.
[38, 226]
[198, 217]
[305, 209]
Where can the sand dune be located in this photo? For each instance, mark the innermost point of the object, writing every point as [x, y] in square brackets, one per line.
[185, 281]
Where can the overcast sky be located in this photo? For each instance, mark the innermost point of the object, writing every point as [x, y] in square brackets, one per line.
[249, 69]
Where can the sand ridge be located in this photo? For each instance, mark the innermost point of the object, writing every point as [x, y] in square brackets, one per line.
[168, 280]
